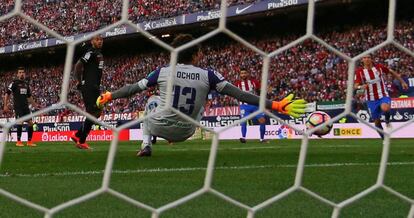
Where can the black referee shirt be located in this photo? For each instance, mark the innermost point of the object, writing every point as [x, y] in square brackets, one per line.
[21, 91]
[92, 69]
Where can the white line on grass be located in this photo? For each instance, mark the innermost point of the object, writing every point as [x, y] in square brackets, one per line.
[261, 147]
[186, 169]
[222, 148]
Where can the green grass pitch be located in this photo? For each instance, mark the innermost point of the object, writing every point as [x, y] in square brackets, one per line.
[251, 173]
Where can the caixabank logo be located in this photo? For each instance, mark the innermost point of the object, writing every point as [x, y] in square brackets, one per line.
[347, 131]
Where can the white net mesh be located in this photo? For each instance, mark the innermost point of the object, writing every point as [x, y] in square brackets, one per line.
[207, 188]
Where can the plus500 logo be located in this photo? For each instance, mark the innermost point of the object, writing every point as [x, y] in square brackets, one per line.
[281, 4]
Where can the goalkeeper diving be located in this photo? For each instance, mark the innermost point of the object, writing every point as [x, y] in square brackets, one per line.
[191, 86]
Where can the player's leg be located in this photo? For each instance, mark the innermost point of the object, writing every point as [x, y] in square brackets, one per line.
[375, 111]
[146, 145]
[9, 136]
[262, 123]
[86, 129]
[386, 110]
[29, 129]
[77, 135]
[19, 127]
[261, 118]
[30, 133]
[378, 124]
[89, 98]
[244, 111]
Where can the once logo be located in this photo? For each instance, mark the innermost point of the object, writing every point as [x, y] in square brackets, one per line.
[347, 132]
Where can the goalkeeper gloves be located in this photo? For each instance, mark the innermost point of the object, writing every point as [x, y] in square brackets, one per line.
[291, 107]
[103, 99]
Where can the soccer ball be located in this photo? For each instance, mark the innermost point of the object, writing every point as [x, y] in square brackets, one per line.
[318, 118]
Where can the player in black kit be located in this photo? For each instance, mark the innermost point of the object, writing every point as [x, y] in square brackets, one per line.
[22, 96]
[88, 72]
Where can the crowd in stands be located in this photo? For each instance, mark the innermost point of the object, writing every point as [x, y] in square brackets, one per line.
[142, 10]
[6, 6]
[71, 17]
[308, 69]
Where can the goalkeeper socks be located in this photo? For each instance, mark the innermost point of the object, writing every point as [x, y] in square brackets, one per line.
[387, 117]
[146, 141]
[29, 133]
[86, 128]
[262, 130]
[244, 129]
[19, 132]
[146, 136]
[379, 126]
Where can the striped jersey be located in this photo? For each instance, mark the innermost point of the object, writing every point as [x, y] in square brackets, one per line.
[374, 78]
[249, 85]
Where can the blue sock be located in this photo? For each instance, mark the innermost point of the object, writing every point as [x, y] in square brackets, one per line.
[262, 130]
[379, 126]
[244, 129]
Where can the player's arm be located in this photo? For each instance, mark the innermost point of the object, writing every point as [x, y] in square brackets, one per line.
[396, 75]
[360, 88]
[128, 90]
[6, 97]
[358, 84]
[78, 73]
[287, 106]
[30, 98]
[123, 92]
[32, 102]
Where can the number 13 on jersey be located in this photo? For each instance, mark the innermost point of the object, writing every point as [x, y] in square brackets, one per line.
[184, 99]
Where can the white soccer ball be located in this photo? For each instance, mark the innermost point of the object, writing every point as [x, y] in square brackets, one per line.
[317, 118]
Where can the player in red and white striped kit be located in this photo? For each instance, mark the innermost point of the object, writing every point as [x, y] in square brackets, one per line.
[370, 79]
[252, 86]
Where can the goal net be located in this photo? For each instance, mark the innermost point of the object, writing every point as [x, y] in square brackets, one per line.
[207, 133]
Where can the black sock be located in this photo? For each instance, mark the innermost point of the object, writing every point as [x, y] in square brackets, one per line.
[29, 133]
[86, 128]
[379, 126]
[19, 132]
[79, 132]
[387, 117]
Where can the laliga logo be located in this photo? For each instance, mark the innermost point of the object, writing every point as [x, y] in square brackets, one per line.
[363, 114]
[45, 137]
[53, 137]
[284, 132]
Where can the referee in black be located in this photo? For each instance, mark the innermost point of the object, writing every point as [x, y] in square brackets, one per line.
[88, 73]
[22, 96]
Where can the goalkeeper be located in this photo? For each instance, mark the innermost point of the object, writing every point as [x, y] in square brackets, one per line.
[191, 86]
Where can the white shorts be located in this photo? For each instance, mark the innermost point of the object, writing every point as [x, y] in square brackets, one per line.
[166, 124]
